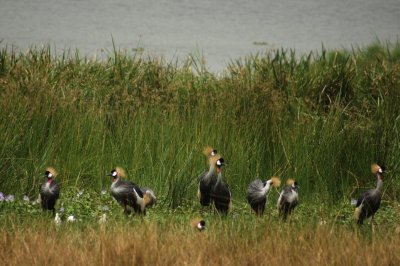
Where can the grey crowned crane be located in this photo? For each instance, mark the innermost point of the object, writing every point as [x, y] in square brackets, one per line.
[149, 197]
[198, 224]
[220, 193]
[369, 201]
[208, 178]
[257, 193]
[288, 199]
[126, 193]
[50, 190]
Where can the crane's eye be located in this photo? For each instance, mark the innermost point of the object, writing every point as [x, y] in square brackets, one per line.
[49, 175]
[380, 170]
[213, 152]
[114, 173]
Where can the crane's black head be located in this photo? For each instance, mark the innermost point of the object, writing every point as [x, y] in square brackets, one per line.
[48, 174]
[201, 225]
[219, 163]
[378, 170]
[117, 172]
[214, 152]
[113, 174]
[383, 169]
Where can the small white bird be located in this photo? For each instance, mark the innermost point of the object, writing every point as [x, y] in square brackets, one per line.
[71, 219]
[103, 219]
[57, 219]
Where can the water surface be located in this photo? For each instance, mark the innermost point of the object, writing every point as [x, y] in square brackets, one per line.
[219, 30]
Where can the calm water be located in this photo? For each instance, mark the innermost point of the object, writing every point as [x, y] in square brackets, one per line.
[219, 30]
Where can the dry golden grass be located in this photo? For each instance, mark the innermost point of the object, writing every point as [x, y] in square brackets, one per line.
[151, 245]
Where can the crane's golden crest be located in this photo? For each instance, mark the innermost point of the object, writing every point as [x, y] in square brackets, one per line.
[207, 151]
[276, 182]
[290, 182]
[52, 171]
[375, 168]
[120, 171]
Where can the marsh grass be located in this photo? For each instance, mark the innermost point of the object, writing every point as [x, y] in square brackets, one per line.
[239, 243]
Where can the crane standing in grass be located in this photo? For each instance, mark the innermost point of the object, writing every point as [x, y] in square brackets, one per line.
[50, 190]
[127, 193]
[369, 201]
[149, 197]
[288, 199]
[258, 191]
[220, 193]
[208, 178]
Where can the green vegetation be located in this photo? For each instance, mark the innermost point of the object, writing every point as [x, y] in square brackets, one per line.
[319, 118]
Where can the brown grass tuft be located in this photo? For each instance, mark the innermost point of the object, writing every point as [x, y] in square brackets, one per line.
[148, 244]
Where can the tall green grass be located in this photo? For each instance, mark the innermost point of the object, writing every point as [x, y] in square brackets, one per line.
[321, 118]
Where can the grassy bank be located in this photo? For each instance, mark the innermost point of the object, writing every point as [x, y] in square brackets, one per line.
[222, 243]
[321, 119]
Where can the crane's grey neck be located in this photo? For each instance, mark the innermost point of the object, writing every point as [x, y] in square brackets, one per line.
[210, 171]
[379, 183]
[219, 177]
[267, 187]
[115, 181]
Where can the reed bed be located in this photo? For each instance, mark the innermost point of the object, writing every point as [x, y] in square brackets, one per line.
[220, 244]
[321, 118]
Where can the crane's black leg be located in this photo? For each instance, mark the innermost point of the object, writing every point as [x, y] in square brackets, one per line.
[372, 224]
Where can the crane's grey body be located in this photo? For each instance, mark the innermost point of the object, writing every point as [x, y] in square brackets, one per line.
[369, 202]
[127, 194]
[257, 195]
[288, 200]
[49, 193]
[208, 180]
[221, 195]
